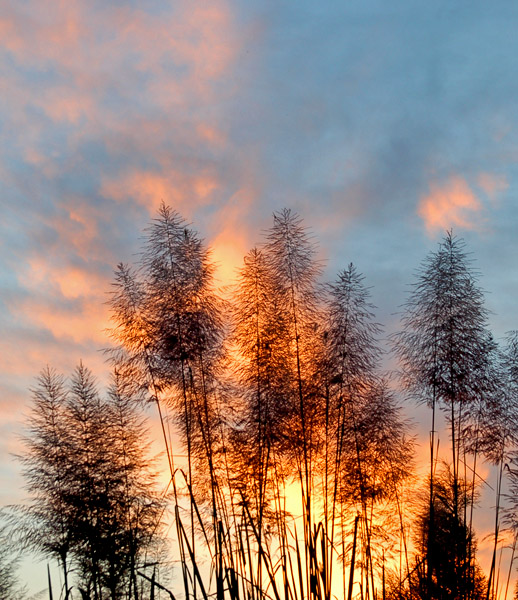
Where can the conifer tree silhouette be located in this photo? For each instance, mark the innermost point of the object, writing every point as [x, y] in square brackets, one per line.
[446, 353]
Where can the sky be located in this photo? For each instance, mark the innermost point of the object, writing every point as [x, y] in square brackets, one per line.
[382, 124]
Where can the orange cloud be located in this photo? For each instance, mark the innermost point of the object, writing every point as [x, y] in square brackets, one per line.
[450, 205]
[149, 189]
[67, 300]
[83, 322]
[22, 361]
[72, 282]
[76, 227]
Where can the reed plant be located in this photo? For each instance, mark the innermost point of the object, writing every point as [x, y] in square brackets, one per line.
[291, 463]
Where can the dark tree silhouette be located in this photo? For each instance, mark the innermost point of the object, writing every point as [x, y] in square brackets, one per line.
[451, 553]
[446, 355]
[313, 404]
[169, 328]
[46, 468]
[92, 503]
[365, 434]
[10, 588]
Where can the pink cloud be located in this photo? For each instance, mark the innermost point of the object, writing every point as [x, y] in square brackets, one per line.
[211, 134]
[80, 324]
[66, 300]
[11, 39]
[65, 281]
[35, 348]
[64, 105]
[452, 204]
[172, 60]
[83, 45]
[36, 33]
[69, 281]
[196, 35]
[185, 192]
[492, 184]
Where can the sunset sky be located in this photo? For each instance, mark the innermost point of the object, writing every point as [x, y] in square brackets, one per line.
[381, 123]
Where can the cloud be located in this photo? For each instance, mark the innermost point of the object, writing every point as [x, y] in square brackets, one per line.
[492, 184]
[183, 191]
[63, 277]
[452, 204]
[114, 84]
[80, 322]
[67, 301]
